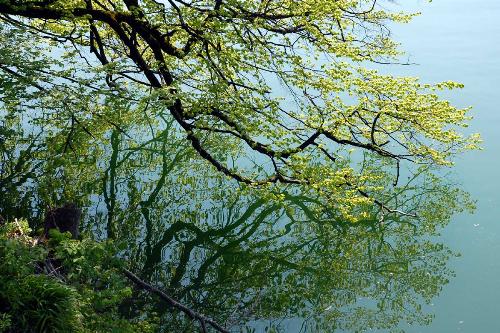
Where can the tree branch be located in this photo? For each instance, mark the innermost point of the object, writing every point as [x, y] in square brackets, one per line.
[172, 302]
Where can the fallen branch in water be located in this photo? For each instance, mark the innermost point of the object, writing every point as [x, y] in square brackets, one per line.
[172, 302]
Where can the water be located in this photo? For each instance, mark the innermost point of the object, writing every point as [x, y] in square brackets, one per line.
[458, 40]
[245, 260]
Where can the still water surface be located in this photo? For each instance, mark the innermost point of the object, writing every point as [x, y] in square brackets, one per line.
[247, 261]
[459, 40]
[255, 260]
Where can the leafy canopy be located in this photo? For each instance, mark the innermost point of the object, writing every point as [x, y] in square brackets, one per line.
[285, 85]
[122, 105]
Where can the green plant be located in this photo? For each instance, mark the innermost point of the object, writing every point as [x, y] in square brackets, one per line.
[63, 286]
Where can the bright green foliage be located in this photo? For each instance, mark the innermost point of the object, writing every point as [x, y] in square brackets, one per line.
[29, 301]
[81, 295]
[241, 151]
[285, 85]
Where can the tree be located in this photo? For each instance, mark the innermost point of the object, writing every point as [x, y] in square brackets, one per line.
[285, 84]
[213, 141]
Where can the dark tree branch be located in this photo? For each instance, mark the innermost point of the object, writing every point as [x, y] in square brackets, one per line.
[172, 302]
[138, 35]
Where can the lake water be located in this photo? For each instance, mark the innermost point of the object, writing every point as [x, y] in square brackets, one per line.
[245, 260]
[458, 40]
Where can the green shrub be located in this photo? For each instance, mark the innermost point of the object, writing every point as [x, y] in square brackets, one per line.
[81, 292]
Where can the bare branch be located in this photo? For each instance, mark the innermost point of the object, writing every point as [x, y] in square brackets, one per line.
[172, 302]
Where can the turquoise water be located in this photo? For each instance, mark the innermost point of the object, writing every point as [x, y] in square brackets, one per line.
[247, 261]
[458, 40]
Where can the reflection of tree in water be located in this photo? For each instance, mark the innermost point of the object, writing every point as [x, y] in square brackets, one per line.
[247, 260]
[246, 267]
[250, 260]
[274, 257]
